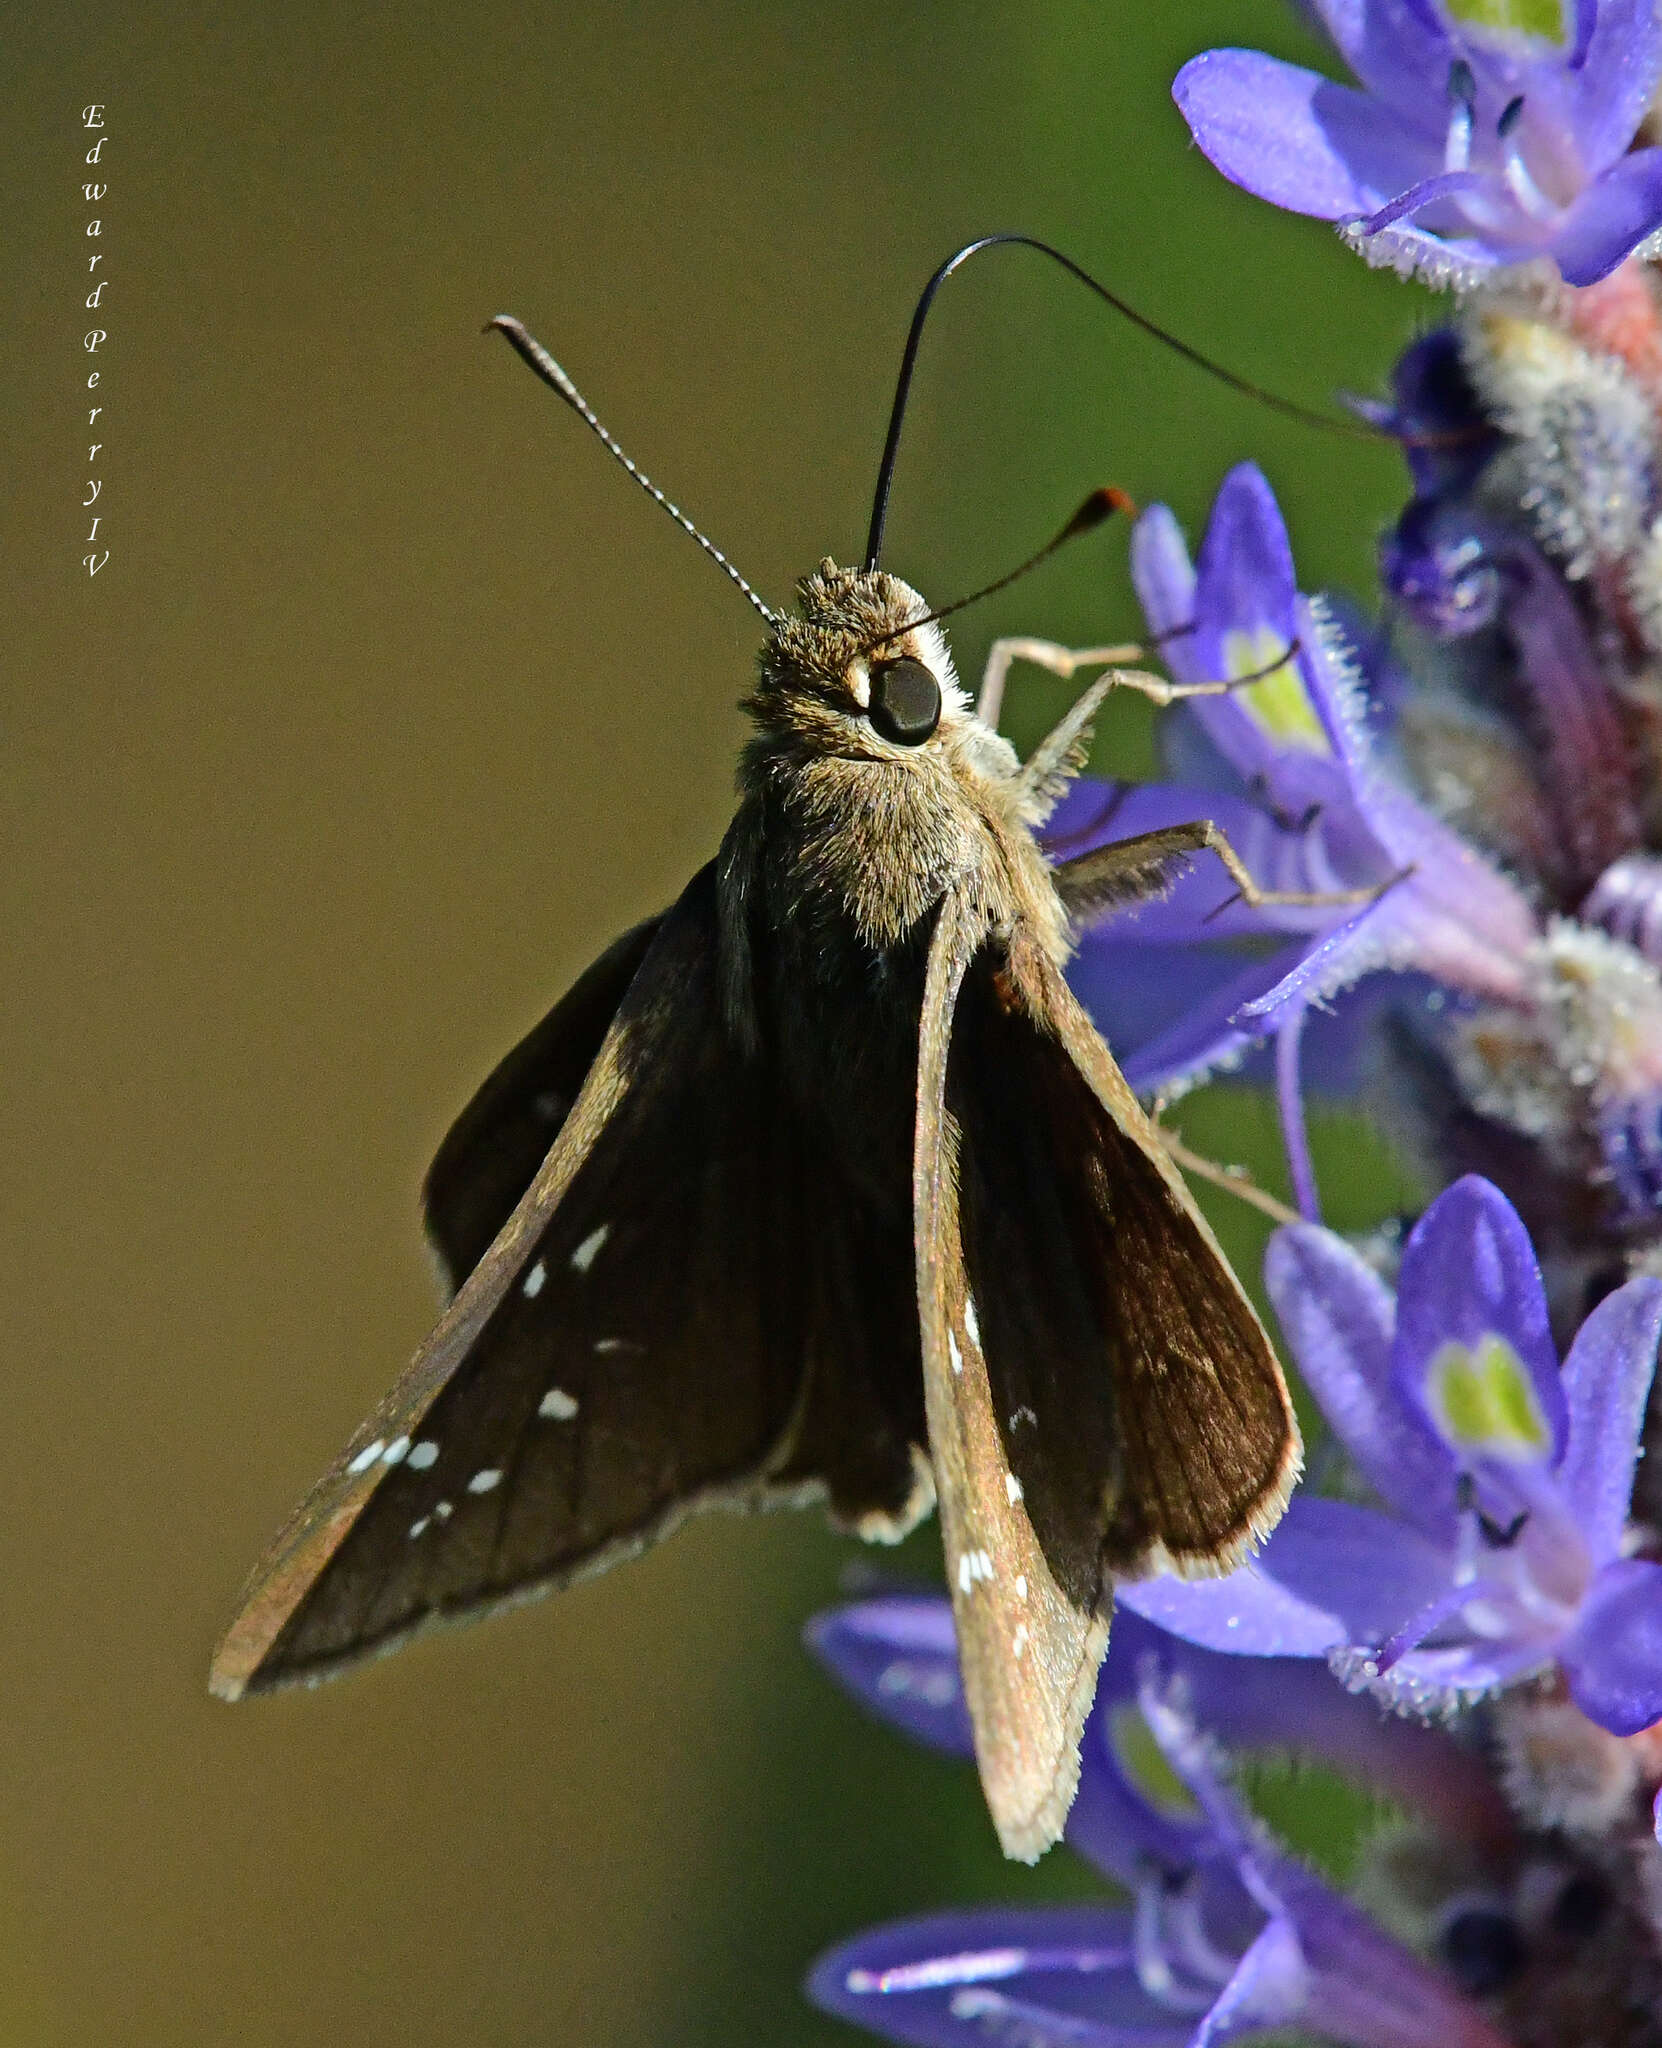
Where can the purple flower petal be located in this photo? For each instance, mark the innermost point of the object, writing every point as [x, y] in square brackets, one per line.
[1162, 573]
[897, 1654]
[1136, 992]
[1296, 139]
[1586, 21]
[1473, 1347]
[1616, 78]
[1400, 51]
[1339, 1317]
[1063, 1974]
[1610, 218]
[1613, 1656]
[1331, 1575]
[1333, 962]
[1247, 616]
[1606, 1381]
[1210, 1034]
[1244, 578]
[1270, 1988]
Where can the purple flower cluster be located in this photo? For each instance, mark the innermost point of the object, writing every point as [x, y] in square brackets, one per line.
[1224, 1934]
[1500, 1547]
[1481, 135]
[1290, 767]
[1463, 1609]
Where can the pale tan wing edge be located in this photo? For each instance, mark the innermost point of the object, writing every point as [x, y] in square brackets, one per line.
[304, 1547]
[1029, 1656]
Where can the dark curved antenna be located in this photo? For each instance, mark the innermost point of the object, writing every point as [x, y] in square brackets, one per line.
[532, 352]
[1103, 503]
[1288, 407]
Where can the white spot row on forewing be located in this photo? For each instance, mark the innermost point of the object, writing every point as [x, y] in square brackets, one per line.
[557, 1405]
[589, 1250]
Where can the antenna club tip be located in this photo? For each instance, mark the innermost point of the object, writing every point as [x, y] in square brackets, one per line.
[1103, 503]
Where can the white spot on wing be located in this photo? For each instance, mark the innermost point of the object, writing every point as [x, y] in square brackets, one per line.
[419, 1528]
[1020, 1642]
[973, 1566]
[367, 1456]
[589, 1250]
[607, 1345]
[956, 1354]
[1012, 1486]
[1023, 1415]
[424, 1454]
[557, 1405]
[1021, 1586]
[483, 1480]
[972, 1322]
[443, 1510]
[532, 1285]
[397, 1450]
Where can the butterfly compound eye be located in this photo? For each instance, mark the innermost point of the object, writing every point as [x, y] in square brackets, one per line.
[905, 701]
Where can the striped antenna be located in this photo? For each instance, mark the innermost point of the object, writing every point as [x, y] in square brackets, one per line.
[532, 351]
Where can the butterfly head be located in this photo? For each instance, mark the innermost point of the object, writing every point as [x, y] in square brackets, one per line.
[852, 675]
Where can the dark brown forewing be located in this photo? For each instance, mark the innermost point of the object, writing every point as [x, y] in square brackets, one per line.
[491, 1153]
[860, 1435]
[1141, 1402]
[1029, 1648]
[656, 1327]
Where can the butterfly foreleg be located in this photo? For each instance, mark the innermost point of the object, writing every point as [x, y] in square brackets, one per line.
[1061, 661]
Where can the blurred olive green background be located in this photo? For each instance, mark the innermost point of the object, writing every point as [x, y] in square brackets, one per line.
[392, 705]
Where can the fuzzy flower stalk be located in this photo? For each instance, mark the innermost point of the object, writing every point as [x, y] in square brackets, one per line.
[1463, 1605]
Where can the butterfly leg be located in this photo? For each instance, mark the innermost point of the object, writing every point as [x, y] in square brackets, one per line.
[1061, 661]
[1068, 661]
[1133, 870]
[1061, 754]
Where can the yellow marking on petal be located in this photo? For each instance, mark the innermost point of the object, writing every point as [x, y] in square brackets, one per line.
[1144, 1764]
[1523, 17]
[1484, 1400]
[1280, 705]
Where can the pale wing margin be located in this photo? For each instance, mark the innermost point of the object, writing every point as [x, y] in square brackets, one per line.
[1030, 1655]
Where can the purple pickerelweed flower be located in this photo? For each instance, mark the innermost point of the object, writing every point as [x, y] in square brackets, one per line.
[1487, 132]
[1501, 1545]
[1289, 768]
[1226, 1934]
